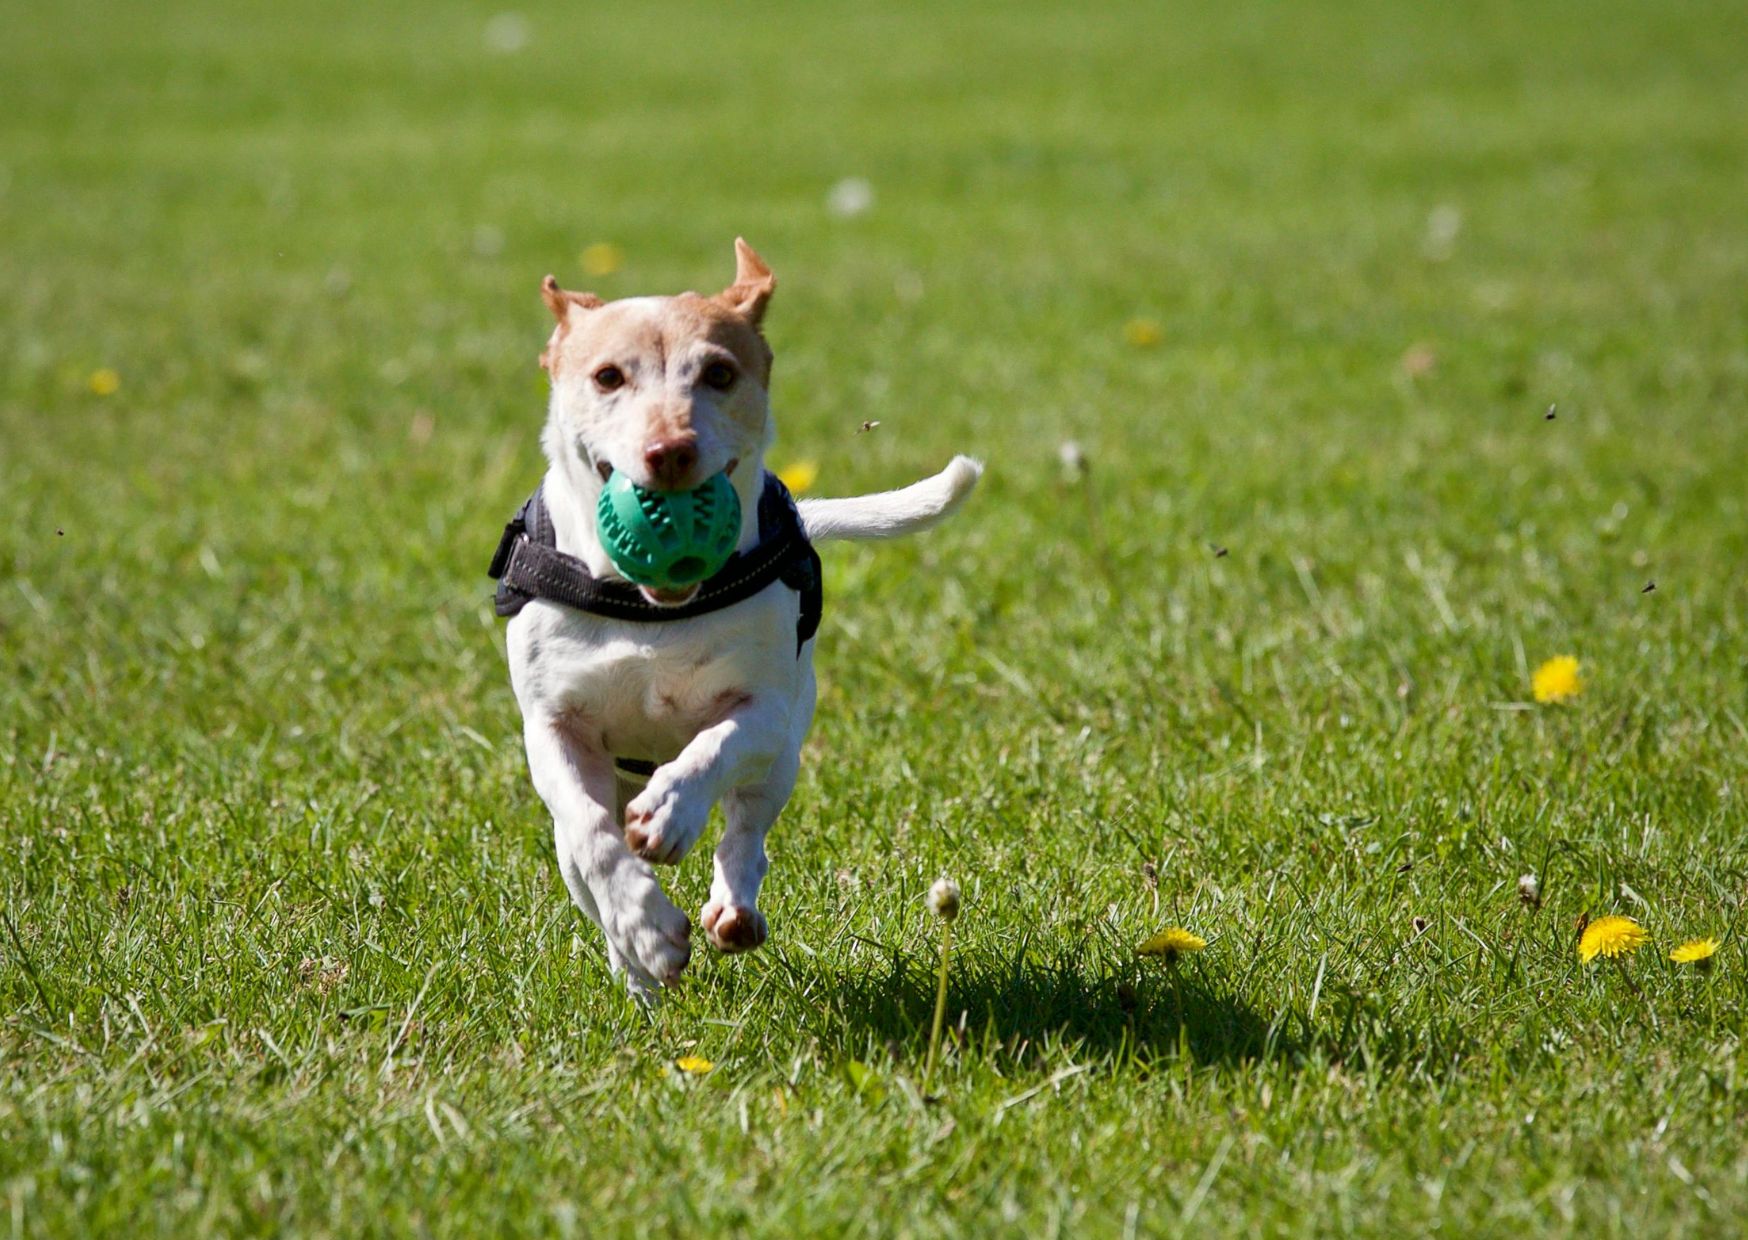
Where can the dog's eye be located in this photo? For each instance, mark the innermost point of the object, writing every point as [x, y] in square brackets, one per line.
[609, 378]
[719, 375]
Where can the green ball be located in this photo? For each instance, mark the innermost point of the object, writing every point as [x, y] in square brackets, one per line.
[668, 539]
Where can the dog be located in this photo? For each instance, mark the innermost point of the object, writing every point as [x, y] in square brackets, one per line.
[638, 717]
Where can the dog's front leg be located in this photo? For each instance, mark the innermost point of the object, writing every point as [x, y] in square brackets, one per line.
[732, 919]
[648, 939]
[664, 820]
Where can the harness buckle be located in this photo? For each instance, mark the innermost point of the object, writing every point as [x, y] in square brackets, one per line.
[514, 531]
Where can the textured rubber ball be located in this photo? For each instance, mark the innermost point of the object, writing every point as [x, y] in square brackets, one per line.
[668, 539]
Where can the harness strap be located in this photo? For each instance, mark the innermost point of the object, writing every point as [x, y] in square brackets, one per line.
[528, 565]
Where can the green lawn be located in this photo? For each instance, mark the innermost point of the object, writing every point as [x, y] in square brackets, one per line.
[285, 947]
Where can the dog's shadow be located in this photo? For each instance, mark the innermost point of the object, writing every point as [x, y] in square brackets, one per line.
[1034, 1000]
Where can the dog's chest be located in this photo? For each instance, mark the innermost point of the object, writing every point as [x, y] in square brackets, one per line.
[647, 689]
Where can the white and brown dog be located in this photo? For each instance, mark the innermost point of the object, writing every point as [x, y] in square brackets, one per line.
[671, 391]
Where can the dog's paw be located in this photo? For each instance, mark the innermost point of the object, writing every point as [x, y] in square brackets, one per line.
[648, 936]
[732, 928]
[662, 823]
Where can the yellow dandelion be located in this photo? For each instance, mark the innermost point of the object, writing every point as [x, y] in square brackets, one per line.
[1696, 952]
[1611, 937]
[103, 382]
[1142, 333]
[1557, 679]
[697, 1065]
[602, 259]
[1172, 942]
[799, 476]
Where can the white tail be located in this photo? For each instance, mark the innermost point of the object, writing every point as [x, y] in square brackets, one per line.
[892, 513]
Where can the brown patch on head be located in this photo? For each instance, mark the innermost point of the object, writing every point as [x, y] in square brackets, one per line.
[722, 325]
[730, 319]
[621, 330]
[561, 302]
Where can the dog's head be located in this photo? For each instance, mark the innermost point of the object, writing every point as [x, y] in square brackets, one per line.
[669, 391]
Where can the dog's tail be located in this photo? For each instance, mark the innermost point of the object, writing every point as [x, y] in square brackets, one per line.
[892, 513]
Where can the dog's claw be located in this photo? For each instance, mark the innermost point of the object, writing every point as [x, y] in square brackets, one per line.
[731, 928]
[661, 825]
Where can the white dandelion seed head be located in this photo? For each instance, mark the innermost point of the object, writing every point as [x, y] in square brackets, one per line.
[850, 197]
[1443, 224]
[1072, 458]
[506, 33]
[944, 899]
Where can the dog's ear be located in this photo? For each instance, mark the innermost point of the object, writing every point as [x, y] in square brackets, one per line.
[753, 283]
[560, 301]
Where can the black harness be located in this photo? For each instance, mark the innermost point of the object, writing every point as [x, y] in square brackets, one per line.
[528, 565]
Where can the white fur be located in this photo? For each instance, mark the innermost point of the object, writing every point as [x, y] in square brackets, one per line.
[722, 701]
[892, 513]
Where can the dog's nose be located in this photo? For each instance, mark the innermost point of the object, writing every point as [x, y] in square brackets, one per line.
[671, 460]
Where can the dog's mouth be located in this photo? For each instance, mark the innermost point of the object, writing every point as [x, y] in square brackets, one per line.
[668, 598]
[605, 468]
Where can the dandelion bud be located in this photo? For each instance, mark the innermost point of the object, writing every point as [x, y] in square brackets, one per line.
[944, 899]
[1529, 890]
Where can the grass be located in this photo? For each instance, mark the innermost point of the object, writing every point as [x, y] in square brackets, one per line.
[284, 947]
